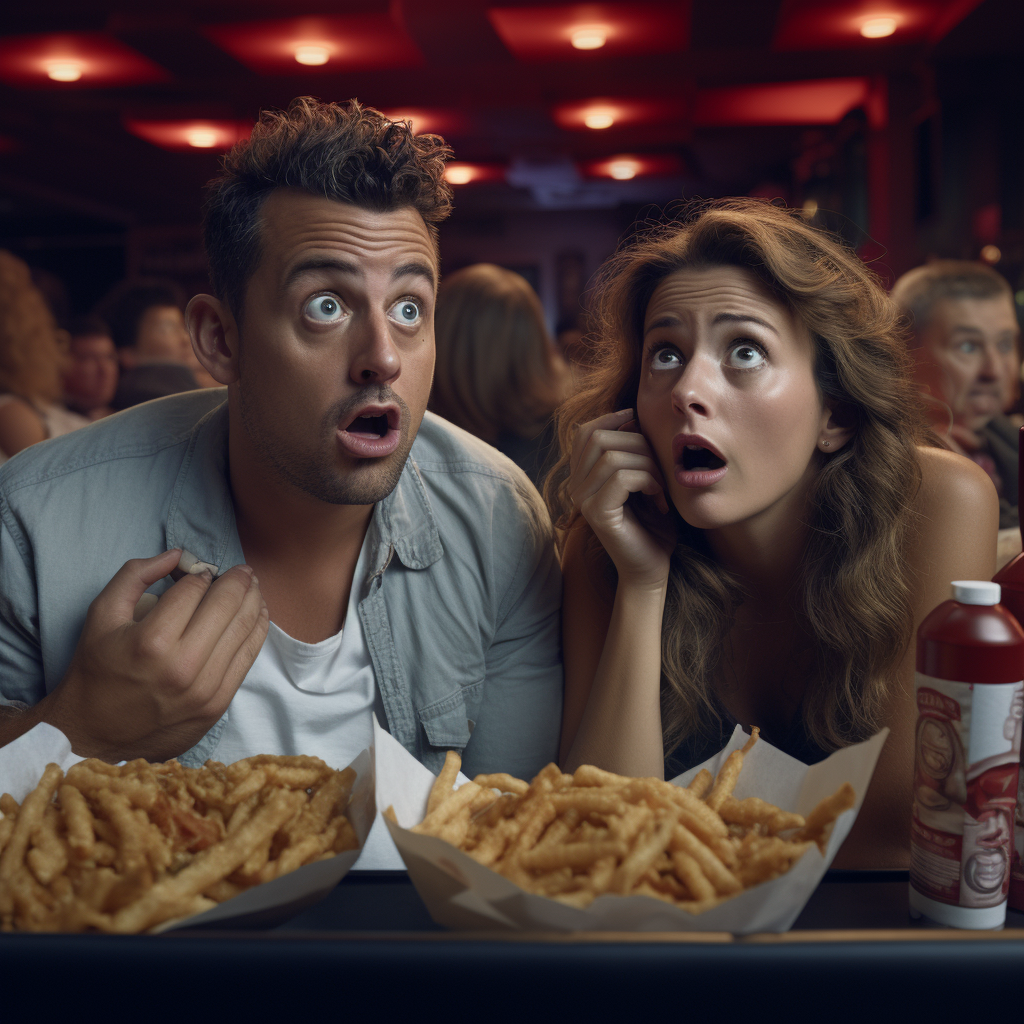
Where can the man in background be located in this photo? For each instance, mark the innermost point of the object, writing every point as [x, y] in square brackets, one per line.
[91, 378]
[965, 346]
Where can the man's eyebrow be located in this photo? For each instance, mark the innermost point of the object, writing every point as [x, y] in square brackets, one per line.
[417, 269]
[313, 263]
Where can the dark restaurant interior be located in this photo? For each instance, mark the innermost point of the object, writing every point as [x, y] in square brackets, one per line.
[893, 124]
[897, 124]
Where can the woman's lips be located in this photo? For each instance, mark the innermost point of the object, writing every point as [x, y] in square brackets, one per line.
[684, 448]
[699, 477]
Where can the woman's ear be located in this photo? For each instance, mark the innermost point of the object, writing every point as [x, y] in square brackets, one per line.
[837, 427]
[214, 337]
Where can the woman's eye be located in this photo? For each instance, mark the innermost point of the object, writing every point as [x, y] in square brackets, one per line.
[405, 312]
[744, 357]
[665, 359]
[324, 309]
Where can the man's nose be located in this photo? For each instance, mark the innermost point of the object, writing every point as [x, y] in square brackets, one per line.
[990, 363]
[376, 359]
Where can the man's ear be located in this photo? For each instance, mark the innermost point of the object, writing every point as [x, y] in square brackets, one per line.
[214, 337]
[837, 427]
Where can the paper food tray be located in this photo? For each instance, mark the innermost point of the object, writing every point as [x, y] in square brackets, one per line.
[23, 760]
[463, 894]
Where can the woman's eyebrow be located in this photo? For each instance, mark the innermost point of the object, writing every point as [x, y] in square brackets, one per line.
[744, 318]
[668, 320]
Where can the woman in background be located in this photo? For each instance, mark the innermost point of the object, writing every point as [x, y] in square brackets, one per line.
[498, 374]
[32, 356]
[756, 520]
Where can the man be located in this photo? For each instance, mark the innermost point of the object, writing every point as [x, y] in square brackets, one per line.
[152, 341]
[91, 379]
[406, 567]
[965, 345]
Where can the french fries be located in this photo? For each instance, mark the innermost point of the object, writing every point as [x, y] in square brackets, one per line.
[576, 837]
[123, 849]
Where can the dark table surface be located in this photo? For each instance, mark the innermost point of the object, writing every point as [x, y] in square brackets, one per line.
[371, 947]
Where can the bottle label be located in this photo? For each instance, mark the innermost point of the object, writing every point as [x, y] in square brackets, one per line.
[966, 761]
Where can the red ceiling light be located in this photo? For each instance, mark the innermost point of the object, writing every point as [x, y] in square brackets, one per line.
[460, 172]
[824, 101]
[812, 25]
[354, 42]
[195, 133]
[76, 58]
[429, 120]
[599, 114]
[627, 166]
[613, 30]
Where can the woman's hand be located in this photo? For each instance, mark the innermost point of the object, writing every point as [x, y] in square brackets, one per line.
[610, 460]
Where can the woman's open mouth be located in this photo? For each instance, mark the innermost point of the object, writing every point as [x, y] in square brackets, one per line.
[372, 434]
[698, 464]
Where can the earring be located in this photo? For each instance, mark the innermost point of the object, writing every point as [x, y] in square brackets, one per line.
[826, 444]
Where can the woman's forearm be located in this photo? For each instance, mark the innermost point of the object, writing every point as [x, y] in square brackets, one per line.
[621, 726]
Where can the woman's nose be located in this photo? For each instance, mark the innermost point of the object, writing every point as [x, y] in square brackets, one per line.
[694, 391]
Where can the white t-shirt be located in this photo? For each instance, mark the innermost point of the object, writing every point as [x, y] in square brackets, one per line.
[317, 699]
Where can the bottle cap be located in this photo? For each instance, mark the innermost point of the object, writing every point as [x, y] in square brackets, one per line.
[976, 592]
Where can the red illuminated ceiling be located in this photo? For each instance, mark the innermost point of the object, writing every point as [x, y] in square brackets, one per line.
[101, 60]
[619, 112]
[825, 101]
[196, 133]
[545, 33]
[631, 165]
[355, 42]
[813, 25]
[430, 120]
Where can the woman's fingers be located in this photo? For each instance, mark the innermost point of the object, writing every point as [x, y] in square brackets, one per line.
[613, 462]
[609, 421]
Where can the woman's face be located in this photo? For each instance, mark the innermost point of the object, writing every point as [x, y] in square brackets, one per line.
[728, 399]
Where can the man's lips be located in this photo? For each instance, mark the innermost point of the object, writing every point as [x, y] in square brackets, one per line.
[372, 432]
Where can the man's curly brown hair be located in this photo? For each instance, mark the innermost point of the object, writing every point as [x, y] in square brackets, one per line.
[346, 152]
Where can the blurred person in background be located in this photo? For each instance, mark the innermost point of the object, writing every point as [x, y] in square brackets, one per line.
[32, 356]
[90, 379]
[153, 344]
[965, 346]
[498, 374]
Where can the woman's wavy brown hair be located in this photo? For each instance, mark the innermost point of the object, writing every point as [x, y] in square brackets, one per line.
[854, 590]
[31, 350]
[497, 369]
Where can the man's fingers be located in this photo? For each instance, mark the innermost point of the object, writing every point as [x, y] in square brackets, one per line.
[234, 595]
[117, 600]
[223, 682]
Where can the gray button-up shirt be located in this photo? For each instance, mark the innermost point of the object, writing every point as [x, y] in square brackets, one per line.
[460, 604]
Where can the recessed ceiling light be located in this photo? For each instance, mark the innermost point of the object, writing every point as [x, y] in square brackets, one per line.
[201, 138]
[64, 70]
[878, 28]
[589, 38]
[312, 55]
[991, 253]
[459, 175]
[599, 119]
[622, 170]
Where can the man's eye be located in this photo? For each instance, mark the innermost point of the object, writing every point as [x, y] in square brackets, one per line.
[665, 359]
[405, 312]
[745, 357]
[968, 347]
[324, 309]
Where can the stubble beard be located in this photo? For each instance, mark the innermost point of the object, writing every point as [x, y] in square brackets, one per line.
[313, 468]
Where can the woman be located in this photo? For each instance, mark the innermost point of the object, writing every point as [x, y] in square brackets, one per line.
[31, 360]
[757, 517]
[497, 373]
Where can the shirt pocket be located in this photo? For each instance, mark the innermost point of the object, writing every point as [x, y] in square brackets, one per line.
[446, 723]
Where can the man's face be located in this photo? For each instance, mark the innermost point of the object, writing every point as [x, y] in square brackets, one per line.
[91, 379]
[336, 345]
[968, 357]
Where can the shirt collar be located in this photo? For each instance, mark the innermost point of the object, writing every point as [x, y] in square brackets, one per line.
[201, 517]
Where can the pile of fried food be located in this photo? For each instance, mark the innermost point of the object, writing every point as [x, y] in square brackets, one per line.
[122, 849]
[576, 837]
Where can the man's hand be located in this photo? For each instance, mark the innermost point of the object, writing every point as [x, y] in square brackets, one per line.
[153, 688]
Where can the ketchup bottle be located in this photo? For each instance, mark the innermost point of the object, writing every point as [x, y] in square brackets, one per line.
[970, 695]
[1011, 579]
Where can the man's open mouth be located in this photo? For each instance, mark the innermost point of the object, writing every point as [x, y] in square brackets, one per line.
[697, 457]
[369, 426]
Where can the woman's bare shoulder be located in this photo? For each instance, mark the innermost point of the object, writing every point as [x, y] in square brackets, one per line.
[957, 521]
[952, 484]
